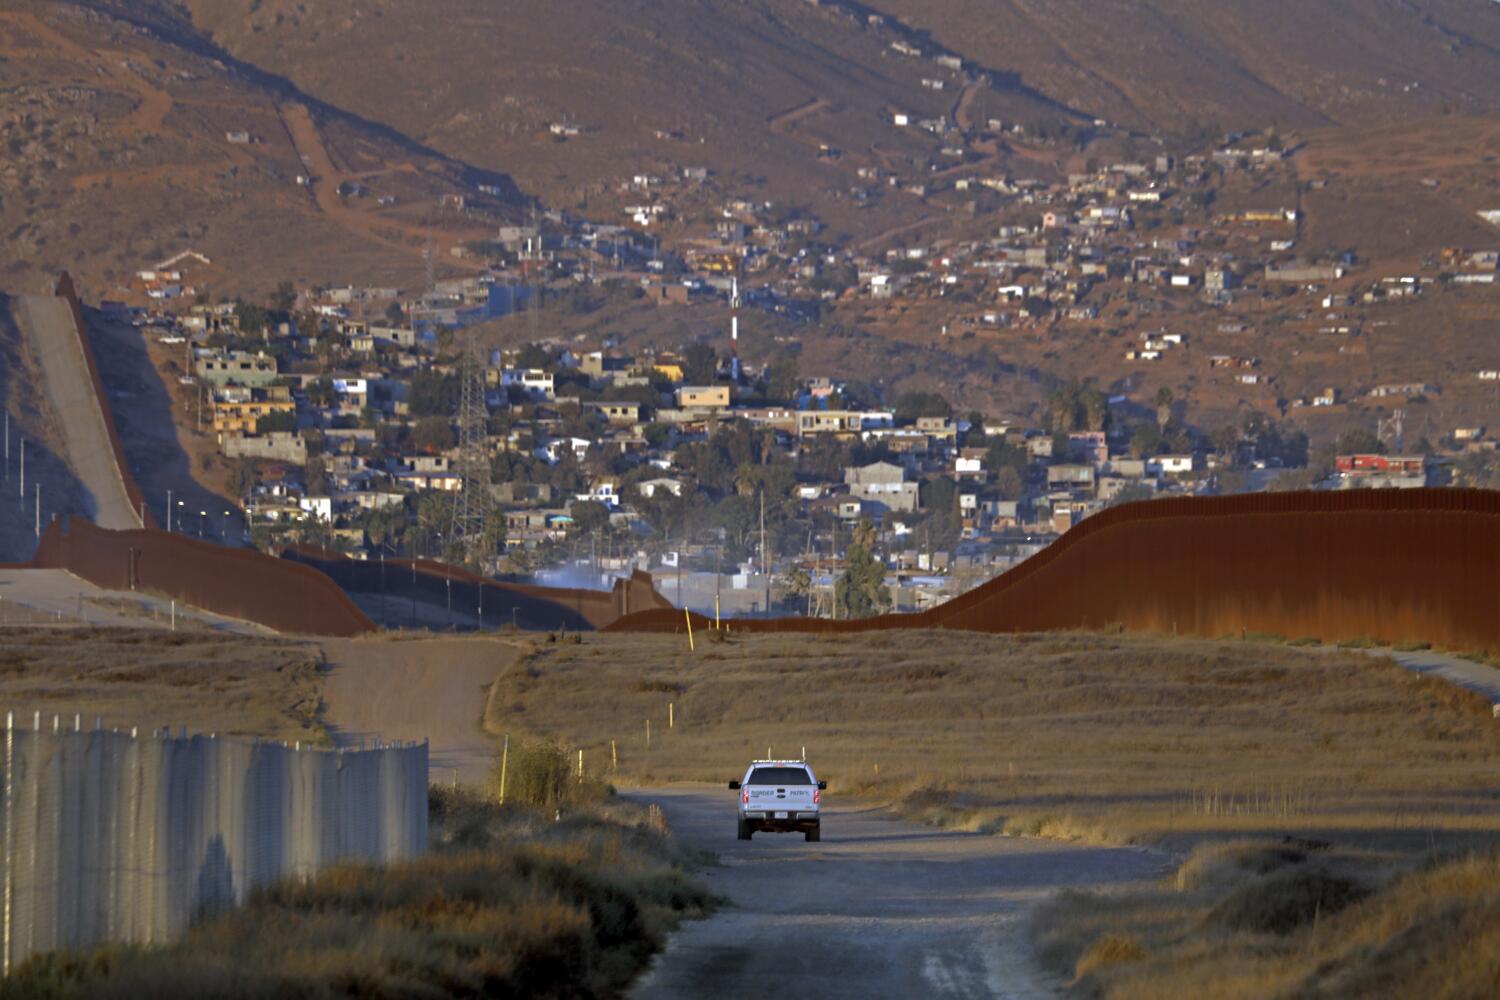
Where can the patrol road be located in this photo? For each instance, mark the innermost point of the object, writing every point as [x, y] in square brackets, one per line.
[879, 908]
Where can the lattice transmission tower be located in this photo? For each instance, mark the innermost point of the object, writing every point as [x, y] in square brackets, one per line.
[473, 501]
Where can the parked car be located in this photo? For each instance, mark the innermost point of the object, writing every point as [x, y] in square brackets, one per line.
[780, 796]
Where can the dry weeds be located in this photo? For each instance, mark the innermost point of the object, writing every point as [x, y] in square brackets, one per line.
[1110, 739]
[149, 678]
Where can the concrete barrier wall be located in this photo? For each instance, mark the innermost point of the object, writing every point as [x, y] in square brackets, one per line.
[1392, 565]
[237, 583]
[106, 836]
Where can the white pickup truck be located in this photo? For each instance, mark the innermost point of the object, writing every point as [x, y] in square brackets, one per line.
[783, 796]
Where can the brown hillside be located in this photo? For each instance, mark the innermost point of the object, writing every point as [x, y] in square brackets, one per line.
[117, 154]
[747, 89]
[1175, 63]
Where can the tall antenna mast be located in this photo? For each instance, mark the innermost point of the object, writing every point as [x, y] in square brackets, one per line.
[734, 328]
[473, 502]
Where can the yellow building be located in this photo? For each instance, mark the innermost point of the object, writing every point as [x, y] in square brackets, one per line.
[241, 417]
[703, 397]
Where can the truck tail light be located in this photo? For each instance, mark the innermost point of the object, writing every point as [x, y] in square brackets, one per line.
[745, 796]
[817, 796]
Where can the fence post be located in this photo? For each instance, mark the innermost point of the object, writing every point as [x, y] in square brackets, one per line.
[10, 839]
[504, 760]
[580, 766]
[614, 756]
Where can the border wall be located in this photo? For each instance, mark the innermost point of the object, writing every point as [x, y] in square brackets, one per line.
[236, 583]
[1390, 565]
[66, 290]
[112, 837]
[492, 603]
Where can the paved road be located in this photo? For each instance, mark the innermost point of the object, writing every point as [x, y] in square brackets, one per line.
[48, 324]
[878, 908]
[390, 688]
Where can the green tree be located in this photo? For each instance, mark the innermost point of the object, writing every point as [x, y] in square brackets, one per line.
[280, 421]
[243, 476]
[782, 381]
[860, 591]
[911, 405]
[433, 394]
[1009, 484]
[1163, 408]
[284, 299]
[252, 318]
[1359, 441]
[432, 434]
[317, 477]
[394, 316]
[588, 517]
[700, 365]
[535, 356]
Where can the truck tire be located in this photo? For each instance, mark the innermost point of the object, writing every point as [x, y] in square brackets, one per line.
[745, 831]
[814, 834]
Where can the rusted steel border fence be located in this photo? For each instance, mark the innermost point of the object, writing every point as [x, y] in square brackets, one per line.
[237, 583]
[1390, 565]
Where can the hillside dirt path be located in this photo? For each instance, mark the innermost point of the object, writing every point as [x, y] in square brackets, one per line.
[427, 688]
[324, 180]
[879, 908]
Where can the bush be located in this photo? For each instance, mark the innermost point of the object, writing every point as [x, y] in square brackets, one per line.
[541, 773]
[1282, 903]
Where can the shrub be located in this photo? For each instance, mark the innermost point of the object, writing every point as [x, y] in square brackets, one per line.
[1284, 902]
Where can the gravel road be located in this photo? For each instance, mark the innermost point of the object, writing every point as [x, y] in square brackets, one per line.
[878, 908]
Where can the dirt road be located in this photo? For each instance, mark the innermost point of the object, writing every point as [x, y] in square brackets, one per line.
[1476, 677]
[48, 324]
[391, 688]
[879, 908]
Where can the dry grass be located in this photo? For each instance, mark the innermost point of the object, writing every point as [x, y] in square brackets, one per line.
[1308, 790]
[510, 903]
[149, 678]
[1110, 739]
[1250, 920]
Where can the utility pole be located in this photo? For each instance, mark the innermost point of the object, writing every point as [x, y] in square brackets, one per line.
[765, 564]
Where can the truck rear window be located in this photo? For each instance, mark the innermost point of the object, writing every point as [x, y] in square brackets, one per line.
[779, 776]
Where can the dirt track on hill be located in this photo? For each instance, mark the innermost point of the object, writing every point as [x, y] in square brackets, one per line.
[880, 907]
[415, 689]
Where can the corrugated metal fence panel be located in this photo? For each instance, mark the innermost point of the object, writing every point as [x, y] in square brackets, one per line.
[110, 837]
